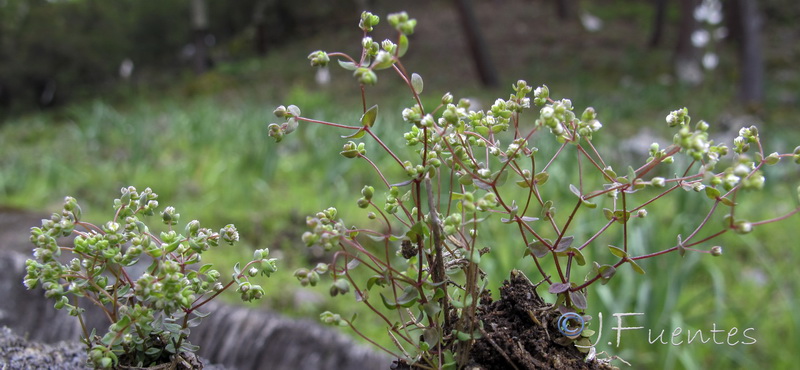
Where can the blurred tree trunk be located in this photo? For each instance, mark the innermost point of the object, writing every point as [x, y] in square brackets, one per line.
[199, 13]
[658, 22]
[476, 43]
[260, 23]
[565, 9]
[746, 22]
[687, 65]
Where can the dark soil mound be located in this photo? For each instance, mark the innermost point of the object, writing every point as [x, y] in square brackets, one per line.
[520, 332]
[515, 340]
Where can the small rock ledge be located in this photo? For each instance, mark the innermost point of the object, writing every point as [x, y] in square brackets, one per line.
[18, 353]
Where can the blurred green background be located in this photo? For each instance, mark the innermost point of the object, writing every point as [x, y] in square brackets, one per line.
[200, 139]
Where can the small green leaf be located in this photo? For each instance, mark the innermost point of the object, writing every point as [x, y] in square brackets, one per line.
[618, 252]
[171, 247]
[482, 184]
[431, 308]
[559, 288]
[578, 299]
[473, 256]
[402, 45]
[123, 290]
[409, 297]
[465, 179]
[636, 267]
[205, 268]
[462, 336]
[111, 338]
[564, 243]
[387, 303]
[579, 259]
[606, 273]
[350, 66]
[195, 322]
[727, 202]
[712, 193]
[500, 178]
[369, 117]
[574, 190]
[375, 280]
[416, 82]
[538, 248]
[610, 173]
[622, 216]
[631, 174]
[357, 135]
[353, 264]
[541, 178]
[419, 229]
[608, 213]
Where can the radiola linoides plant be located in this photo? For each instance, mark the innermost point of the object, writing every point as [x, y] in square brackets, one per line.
[468, 169]
[150, 314]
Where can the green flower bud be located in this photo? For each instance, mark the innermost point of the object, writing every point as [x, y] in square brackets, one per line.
[547, 112]
[319, 58]
[742, 227]
[407, 28]
[368, 21]
[588, 114]
[383, 60]
[170, 216]
[301, 273]
[366, 76]
[313, 278]
[349, 150]
[427, 121]
[368, 192]
[658, 182]
[773, 158]
[340, 286]
[192, 227]
[447, 98]
[229, 234]
[412, 115]
[389, 46]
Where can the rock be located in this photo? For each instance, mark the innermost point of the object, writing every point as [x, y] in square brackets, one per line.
[18, 353]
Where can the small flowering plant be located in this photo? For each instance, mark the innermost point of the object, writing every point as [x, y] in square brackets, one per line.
[150, 312]
[465, 170]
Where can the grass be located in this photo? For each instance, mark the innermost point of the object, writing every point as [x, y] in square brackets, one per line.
[202, 146]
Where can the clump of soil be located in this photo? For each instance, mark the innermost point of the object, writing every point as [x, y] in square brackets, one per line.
[520, 332]
[513, 339]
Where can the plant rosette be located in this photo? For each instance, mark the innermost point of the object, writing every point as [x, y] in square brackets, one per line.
[416, 261]
[151, 312]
